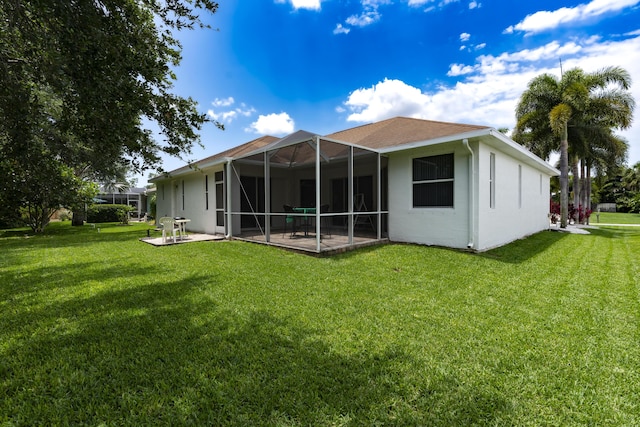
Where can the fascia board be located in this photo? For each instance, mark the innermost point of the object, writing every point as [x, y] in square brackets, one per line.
[361, 147]
[486, 135]
[436, 141]
[523, 153]
[184, 170]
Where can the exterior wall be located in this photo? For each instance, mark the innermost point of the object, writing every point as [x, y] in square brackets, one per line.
[521, 202]
[163, 198]
[431, 226]
[521, 196]
[169, 200]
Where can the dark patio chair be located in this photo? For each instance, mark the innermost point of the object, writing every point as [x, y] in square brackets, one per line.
[325, 222]
[290, 220]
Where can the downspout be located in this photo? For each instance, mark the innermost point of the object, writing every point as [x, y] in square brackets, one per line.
[228, 204]
[470, 245]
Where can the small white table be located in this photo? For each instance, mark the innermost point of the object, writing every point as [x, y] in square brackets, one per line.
[182, 226]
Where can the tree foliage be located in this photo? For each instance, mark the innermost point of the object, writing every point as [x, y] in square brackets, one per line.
[85, 86]
[575, 116]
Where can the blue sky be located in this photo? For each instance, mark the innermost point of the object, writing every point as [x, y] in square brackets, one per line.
[277, 66]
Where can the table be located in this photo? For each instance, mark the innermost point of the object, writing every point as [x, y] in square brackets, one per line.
[306, 219]
[182, 226]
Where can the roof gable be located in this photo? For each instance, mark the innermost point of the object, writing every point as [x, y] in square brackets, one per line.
[399, 131]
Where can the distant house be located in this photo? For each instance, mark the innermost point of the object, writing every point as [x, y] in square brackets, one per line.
[401, 180]
[135, 197]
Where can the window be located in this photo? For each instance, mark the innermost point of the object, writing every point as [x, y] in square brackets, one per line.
[219, 188]
[492, 181]
[433, 181]
[183, 194]
[519, 186]
[540, 184]
[206, 192]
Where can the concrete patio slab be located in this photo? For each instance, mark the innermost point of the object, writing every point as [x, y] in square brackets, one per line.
[192, 237]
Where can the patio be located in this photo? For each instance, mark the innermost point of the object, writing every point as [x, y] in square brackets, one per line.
[333, 192]
[191, 237]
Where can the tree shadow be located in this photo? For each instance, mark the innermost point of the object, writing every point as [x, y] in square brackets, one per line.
[522, 250]
[65, 235]
[614, 232]
[164, 353]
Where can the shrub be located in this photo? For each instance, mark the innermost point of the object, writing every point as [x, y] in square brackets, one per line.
[583, 214]
[109, 213]
[554, 210]
[629, 204]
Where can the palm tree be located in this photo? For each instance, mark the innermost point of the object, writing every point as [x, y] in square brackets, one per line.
[558, 114]
[631, 178]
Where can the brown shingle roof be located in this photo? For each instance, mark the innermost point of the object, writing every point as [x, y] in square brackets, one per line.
[399, 131]
[242, 149]
[387, 133]
[231, 152]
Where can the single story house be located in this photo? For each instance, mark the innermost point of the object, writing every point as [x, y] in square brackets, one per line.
[136, 197]
[400, 180]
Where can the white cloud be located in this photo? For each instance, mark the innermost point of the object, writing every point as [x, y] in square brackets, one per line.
[545, 20]
[272, 124]
[386, 99]
[437, 4]
[367, 17]
[223, 102]
[480, 46]
[303, 4]
[341, 29]
[230, 114]
[465, 37]
[459, 70]
[474, 5]
[489, 90]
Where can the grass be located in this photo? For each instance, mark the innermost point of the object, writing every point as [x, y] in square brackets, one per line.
[99, 328]
[615, 218]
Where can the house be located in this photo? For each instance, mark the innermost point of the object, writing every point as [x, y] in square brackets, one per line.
[136, 197]
[400, 180]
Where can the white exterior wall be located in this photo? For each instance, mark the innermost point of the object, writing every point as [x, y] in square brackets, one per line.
[431, 226]
[521, 203]
[163, 199]
[169, 200]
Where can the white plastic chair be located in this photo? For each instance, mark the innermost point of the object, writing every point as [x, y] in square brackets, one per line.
[168, 227]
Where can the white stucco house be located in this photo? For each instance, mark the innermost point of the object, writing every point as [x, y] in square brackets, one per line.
[400, 180]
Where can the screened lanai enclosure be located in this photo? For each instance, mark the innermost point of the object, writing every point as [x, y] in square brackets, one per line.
[309, 193]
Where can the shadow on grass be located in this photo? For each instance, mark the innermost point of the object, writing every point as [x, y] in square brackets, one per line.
[64, 235]
[614, 232]
[515, 252]
[524, 249]
[163, 353]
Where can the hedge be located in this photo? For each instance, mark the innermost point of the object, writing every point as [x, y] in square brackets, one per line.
[108, 213]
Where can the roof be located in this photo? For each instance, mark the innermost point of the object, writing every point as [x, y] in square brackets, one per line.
[236, 151]
[399, 131]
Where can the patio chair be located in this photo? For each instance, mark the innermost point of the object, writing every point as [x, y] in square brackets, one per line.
[325, 222]
[290, 219]
[168, 227]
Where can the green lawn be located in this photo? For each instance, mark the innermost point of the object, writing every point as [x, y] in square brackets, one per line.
[615, 218]
[101, 329]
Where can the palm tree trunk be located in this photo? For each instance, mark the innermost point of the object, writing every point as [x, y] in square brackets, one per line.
[587, 199]
[576, 189]
[564, 176]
